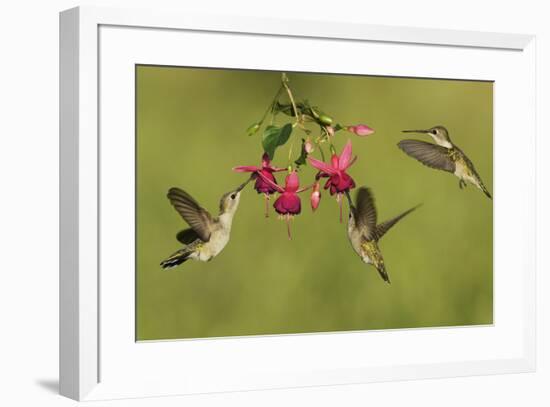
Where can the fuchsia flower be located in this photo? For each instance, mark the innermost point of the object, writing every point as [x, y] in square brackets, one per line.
[261, 185]
[267, 171]
[315, 197]
[339, 182]
[361, 130]
[288, 203]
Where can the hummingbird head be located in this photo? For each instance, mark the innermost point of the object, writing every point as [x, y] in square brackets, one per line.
[230, 200]
[438, 133]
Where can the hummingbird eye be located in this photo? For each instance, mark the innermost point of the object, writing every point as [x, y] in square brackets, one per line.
[232, 196]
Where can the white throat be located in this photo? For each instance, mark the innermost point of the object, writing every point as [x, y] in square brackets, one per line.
[443, 143]
[226, 219]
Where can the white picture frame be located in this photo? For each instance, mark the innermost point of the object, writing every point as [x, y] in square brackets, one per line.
[97, 357]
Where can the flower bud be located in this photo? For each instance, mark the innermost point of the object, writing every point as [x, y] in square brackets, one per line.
[330, 130]
[361, 130]
[308, 146]
[324, 119]
[315, 196]
[253, 129]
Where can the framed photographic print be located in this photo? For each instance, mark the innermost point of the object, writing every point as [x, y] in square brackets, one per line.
[252, 204]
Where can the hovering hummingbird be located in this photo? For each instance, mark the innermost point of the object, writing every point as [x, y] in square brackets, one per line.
[444, 155]
[208, 235]
[364, 233]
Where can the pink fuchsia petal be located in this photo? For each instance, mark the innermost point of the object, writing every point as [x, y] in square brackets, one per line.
[332, 182]
[288, 203]
[345, 157]
[292, 182]
[321, 166]
[261, 185]
[269, 182]
[361, 130]
[346, 183]
[246, 168]
[340, 183]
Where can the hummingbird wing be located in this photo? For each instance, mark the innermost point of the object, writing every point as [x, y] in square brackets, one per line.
[382, 228]
[187, 236]
[429, 154]
[195, 215]
[365, 213]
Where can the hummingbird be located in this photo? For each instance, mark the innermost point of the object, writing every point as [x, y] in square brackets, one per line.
[208, 235]
[444, 155]
[363, 231]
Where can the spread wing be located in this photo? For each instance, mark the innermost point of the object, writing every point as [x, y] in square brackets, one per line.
[365, 213]
[187, 236]
[382, 228]
[429, 154]
[196, 216]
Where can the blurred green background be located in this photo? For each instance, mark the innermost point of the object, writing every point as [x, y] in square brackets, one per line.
[190, 133]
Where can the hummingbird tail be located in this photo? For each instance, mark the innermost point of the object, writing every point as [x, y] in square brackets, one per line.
[382, 271]
[176, 259]
[485, 191]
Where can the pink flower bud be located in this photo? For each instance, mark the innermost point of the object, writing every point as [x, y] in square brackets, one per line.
[308, 146]
[330, 130]
[315, 196]
[361, 130]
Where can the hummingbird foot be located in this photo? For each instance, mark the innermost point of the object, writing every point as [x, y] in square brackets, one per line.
[462, 184]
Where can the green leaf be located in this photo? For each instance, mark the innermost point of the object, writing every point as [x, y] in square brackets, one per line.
[301, 160]
[253, 129]
[286, 131]
[274, 137]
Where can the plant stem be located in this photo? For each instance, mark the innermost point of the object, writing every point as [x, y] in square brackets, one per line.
[320, 150]
[284, 80]
[290, 152]
[270, 107]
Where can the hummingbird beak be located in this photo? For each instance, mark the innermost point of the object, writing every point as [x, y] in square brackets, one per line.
[349, 199]
[415, 131]
[240, 187]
